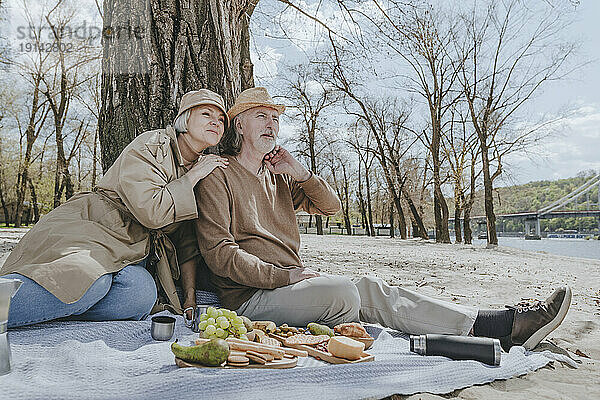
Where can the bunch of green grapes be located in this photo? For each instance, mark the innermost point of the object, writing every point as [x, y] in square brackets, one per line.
[221, 323]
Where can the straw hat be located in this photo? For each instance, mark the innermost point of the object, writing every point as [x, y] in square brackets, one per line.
[253, 97]
[201, 97]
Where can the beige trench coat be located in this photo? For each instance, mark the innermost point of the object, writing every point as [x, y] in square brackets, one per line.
[140, 205]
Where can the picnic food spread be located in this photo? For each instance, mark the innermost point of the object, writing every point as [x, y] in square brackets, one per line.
[231, 341]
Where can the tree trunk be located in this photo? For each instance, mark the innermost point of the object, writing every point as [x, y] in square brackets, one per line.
[401, 220]
[319, 224]
[361, 201]
[313, 167]
[31, 136]
[392, 228]
[22, 189]
[4, 207]
[418, 226]
[467, 225]
[34, 202]
[440, 208]
[95, 159]
[468, 205]
[457, 213]
[369, 208]
[346, 210]
[488, 197]
[178, 47]
[62, 177]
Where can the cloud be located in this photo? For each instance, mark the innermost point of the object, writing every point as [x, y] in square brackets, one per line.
[575, 149]
[266, 61]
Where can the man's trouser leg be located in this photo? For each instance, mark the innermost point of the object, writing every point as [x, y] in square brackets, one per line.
[332, 300]
[327, 299]
[411, 312]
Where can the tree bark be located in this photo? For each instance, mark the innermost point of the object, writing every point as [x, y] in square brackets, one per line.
[34, 202]
[95, 159]
[369, 208]
[488, 197]
[392, 228]
[419, 229]
[346, 210]
[361, 202]
[178, 46]
[4, 207]
[313, 166]
[457, 213]
[468, 205]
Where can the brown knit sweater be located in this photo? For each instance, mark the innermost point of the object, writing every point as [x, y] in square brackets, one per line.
[247, 230]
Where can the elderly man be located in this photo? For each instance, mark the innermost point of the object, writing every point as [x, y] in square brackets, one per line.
[248, 236]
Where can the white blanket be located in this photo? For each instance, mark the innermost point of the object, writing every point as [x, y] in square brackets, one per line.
[119, 360]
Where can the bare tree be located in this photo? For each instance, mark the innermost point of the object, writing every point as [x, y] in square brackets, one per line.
[60, 85]
[32, 70]
[457, 144]
[308, 98]
[512, 49]
[360, 142]
[421, 36]
[340, 173]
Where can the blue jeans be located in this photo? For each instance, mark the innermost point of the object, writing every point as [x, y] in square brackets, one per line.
[128, 294]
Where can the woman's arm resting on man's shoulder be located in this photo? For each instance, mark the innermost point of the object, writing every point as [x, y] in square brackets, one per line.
[153, 195]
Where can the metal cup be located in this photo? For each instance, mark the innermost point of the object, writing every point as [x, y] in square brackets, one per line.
[197, 312]
[162, 327]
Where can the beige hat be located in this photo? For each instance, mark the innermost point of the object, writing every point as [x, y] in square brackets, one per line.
[253, 97]
[201, 97]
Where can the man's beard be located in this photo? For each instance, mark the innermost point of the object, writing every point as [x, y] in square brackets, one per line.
[265, 144]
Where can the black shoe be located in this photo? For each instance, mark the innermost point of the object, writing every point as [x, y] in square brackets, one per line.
[534, 320]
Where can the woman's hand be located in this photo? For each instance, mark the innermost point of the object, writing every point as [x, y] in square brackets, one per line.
[205, 165]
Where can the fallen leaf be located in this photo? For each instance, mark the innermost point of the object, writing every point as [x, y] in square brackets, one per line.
[581, 353]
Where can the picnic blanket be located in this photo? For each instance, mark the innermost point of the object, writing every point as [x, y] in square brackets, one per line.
[119, 359]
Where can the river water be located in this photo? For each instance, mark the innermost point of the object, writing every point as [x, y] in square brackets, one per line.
[565, 247]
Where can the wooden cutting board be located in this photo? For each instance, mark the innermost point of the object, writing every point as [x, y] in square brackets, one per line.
[323, 355]
[275, 364]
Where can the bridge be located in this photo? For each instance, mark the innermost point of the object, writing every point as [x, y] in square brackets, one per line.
[554, 210]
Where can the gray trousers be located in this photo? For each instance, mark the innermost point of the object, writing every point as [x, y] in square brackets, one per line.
[332, 300]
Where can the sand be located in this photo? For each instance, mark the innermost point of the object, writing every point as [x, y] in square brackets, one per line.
[486, 278]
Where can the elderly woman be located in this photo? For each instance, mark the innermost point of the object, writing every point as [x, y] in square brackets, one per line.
[103, 254]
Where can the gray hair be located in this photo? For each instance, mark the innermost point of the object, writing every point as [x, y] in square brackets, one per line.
[180, 124]
[231, 143]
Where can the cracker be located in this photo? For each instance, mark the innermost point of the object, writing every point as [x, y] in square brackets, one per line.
[309, 340]
[256, 357]
[270, 341]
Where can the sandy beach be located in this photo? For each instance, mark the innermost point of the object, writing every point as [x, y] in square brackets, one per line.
[486, 278]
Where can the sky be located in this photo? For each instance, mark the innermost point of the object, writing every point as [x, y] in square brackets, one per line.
[574, 147]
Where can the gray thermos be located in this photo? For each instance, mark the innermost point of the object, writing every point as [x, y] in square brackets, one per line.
[486, 350]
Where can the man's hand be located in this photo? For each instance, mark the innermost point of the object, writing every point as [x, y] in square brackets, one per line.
[302, 273]
[280, 161]
[189, 303]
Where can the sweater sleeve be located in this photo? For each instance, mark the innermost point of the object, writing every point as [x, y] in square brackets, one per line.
[314, 196]
[151, 193]
[217, 245]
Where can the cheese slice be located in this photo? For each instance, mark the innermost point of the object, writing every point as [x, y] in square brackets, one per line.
[344, 347]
